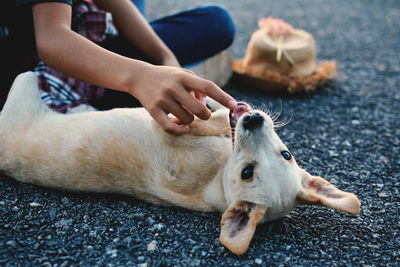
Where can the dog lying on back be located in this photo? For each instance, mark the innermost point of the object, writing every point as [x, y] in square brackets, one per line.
[124, 151]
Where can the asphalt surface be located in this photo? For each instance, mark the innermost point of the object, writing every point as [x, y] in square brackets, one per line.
[348, 132]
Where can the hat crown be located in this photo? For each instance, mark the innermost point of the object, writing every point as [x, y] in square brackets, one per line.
[297, 49]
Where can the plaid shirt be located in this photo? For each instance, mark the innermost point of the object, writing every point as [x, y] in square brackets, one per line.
[61, 92]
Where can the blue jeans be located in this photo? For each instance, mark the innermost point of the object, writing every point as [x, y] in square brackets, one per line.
[192, 35]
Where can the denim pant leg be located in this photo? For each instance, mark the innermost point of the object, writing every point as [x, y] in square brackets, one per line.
[196, 34]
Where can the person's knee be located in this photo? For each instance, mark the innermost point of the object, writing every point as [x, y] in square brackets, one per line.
[222, 26]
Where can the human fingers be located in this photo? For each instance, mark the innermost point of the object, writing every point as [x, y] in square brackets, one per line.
[189, 100]
[210, 89]
[167, 125]
[182, 114]
[190, 72]
[201, 97]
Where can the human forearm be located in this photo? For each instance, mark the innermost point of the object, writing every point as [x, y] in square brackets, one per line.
[95, 65]
[74, 55]
[137, 30]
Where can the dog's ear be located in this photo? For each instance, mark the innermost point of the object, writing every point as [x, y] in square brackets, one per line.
[238, 224]
[316, 190]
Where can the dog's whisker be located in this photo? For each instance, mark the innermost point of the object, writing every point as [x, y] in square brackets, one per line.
[270, 111]
[275, 116]
[282, 123]
[267, 110]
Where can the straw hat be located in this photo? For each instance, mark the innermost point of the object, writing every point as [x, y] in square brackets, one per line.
[283, 63]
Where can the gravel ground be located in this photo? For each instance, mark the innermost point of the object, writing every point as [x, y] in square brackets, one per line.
[348, 131]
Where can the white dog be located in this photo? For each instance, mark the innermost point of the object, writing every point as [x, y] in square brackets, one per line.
[124, 151]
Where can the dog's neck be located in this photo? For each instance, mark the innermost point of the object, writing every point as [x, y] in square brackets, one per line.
[214, 192]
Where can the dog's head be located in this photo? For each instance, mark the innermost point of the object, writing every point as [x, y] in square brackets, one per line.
[262, 180]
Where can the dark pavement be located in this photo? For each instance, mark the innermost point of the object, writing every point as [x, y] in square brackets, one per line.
[348, 132]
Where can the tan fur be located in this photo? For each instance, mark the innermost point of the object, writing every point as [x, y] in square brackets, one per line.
[125, 151]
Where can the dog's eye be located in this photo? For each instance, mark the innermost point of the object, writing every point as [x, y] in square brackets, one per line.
[286, 155]
[248, 172]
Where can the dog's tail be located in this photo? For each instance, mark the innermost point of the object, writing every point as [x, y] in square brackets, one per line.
[23, 103]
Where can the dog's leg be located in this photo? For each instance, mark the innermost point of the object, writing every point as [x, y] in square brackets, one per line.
[217, 125]
[23, 102]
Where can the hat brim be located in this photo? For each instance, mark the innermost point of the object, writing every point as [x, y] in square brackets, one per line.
[275, 82]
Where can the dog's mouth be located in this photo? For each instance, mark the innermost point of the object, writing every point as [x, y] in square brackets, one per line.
[234, 116]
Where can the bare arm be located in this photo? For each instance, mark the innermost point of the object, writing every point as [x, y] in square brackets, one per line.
[160, 89]
[60, 47]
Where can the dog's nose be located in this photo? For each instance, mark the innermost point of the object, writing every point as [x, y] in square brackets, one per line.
[253, 121]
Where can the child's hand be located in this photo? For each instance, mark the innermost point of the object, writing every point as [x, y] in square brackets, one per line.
[164, 89]
[171, 60]
[275, 27]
